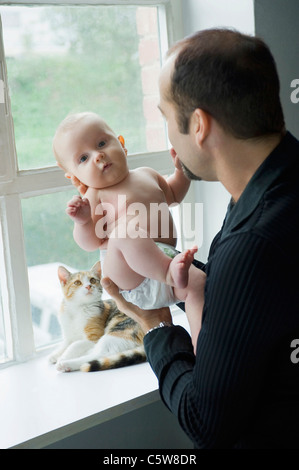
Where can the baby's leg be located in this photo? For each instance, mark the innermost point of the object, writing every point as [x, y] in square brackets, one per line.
[179, 268]
[130, 260]
[193, 296]
[118, 270]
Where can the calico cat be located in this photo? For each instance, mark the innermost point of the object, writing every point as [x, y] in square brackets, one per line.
[97, 336]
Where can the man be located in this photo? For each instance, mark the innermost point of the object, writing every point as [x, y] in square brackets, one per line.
[219, 93]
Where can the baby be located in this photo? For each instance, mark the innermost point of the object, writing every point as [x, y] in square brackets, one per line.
[132, 249]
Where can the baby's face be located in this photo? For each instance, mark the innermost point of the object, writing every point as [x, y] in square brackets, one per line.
[92, 152]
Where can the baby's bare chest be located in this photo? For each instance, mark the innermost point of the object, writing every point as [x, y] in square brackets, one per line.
[138, 189]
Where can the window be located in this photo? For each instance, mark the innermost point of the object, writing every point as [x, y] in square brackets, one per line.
[66, 58]
[5, 326]
[48, 244]
[55, 60]
[3, 333]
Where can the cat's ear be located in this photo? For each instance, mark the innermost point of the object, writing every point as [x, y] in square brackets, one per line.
[63, 275]
[97, 269]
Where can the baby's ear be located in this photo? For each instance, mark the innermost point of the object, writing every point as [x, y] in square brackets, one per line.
[122, 141]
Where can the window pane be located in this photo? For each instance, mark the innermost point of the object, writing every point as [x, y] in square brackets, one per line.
[49, 243]
[3, 354]
[63, 59]
[5, 348]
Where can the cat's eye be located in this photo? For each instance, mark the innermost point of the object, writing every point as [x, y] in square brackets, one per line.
[77, 283]
[92, 280]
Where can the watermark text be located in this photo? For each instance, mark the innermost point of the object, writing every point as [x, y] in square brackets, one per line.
[295, 92]
[138, 220]
[295, 353]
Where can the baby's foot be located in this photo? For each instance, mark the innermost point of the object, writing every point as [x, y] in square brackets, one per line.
[179, 267]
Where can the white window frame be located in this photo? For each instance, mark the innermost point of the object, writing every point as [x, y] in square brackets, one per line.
[16, 185]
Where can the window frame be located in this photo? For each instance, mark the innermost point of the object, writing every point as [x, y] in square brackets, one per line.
[16, 184]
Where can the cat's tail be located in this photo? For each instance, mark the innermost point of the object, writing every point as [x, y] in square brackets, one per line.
[123, 359]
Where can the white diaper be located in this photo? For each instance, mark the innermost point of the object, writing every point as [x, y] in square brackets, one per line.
[151, 294]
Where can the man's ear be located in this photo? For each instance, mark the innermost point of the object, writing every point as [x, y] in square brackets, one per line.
[122, 142]
[201, 122]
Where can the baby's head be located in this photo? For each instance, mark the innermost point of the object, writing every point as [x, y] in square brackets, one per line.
[86, 147]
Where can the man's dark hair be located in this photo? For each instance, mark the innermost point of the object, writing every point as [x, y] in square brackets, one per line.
[232, 77]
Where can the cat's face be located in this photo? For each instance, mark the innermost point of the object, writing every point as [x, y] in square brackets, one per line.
[83, 286]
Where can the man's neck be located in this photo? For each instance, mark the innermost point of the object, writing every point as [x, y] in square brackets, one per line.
[237, 161]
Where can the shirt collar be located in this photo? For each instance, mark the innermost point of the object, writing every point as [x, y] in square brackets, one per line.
[284, 155]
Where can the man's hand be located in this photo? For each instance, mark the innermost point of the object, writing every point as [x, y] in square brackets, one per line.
[82, 188]
[147, 319]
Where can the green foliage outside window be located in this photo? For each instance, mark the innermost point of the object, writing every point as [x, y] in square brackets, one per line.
[97, 70]
[92, 64]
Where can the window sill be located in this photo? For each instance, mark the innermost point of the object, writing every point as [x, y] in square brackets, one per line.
[39, 405]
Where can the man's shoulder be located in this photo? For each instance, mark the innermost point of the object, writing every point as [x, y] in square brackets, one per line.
[274, 223]
[279, 207]
[278, 219]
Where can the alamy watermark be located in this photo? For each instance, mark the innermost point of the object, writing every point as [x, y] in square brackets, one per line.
[295, 353]
[138, 220]
[295, 93]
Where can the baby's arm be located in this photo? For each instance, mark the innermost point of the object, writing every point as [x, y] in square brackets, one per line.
[175, 186]
[79, 211]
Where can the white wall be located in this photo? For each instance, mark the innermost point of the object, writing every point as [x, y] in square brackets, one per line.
[278, 26]
[203, 14]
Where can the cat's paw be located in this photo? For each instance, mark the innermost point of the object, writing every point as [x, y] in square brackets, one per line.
[63, 366]
[52, 359]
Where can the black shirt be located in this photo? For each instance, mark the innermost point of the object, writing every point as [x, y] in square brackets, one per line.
[242, 390]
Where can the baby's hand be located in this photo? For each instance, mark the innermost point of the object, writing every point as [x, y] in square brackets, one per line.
[175, 159]
[78, 210]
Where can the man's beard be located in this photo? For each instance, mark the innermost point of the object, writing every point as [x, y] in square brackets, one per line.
[189, 174]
